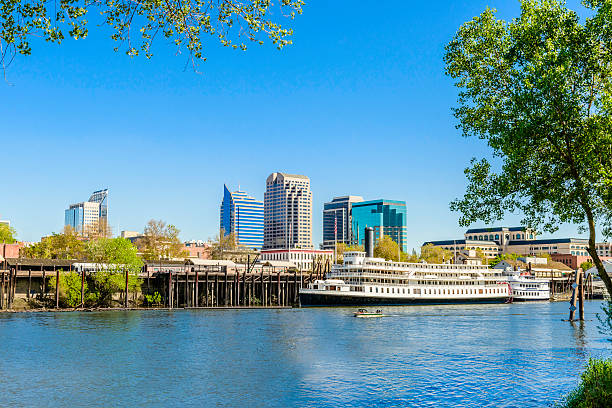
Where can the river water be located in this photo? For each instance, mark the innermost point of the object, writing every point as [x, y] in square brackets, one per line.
[518, 355]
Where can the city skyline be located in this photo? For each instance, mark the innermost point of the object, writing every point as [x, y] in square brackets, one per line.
[359, 113]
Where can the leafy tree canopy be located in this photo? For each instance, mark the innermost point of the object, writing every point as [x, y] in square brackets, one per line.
[160, 241]
[134, 25]
[435, 254]
[387, 248]
[7, 234]
[66, 245]
[538, 90]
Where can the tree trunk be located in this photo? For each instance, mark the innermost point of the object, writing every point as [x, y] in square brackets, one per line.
[601, 270]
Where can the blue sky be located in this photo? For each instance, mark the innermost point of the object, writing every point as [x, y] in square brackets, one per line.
[359, 103]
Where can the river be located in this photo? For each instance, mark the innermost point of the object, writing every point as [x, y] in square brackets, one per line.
[518, 355]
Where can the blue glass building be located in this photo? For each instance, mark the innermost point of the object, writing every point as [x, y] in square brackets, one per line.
[242, 216]
[387, 217]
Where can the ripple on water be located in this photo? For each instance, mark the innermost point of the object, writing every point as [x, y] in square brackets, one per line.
[473, 356]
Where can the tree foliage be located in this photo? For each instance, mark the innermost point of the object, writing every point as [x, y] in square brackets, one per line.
[7, 234]
[387, 248]
[66, 245]
[70, 290]
[115, 257]
[160, 241]
[435, 254]
[222, 245]
[134, 25]
[538, 90]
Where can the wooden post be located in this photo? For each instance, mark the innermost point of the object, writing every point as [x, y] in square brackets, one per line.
[170, 289]
[581, 296]
[29, 282]
[261, 278]
[56, 287]
[127, 281]
[216, 303]
[196, 300]
[44, 281]
[186, 287]
[226, 294]
[2, 290]
[278, 290]
[8, 289]
[83, 287]
[206, 288]
[573, 299]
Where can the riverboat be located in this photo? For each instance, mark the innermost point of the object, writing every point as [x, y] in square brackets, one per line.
[525, 287]
[365, 280]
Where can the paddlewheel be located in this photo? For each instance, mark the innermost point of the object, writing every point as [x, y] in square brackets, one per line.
[510, 299]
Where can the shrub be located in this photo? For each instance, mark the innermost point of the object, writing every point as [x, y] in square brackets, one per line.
[595, 389]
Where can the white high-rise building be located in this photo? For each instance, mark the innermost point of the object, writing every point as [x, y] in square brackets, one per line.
[90, 215]
[287, 212]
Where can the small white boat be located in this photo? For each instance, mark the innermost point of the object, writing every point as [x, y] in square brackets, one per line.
[365, 313]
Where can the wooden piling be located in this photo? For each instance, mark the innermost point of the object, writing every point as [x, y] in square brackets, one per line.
[56, 287]
[216, 291]
[44, 281]
[186, 287]
[225, 291]
[83, 287]
[197, 300]
[581, 297]
[206, 288]
[261, 284]
[2, 290]
[127, 281]
[170, 289]
[29, 282]
[278, 290]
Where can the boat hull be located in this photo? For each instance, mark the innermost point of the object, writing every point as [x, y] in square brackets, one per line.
[325, 299]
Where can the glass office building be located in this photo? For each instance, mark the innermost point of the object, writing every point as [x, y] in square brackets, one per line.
[242, 216]
[387, 217]
[337, 226]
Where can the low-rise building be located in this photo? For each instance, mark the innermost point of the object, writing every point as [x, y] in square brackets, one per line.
[302, 258]
[540, 267]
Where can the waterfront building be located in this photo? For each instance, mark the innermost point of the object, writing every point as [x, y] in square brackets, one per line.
[243, 216]
[287, 212]
[5, 222]
[88, 215]
[197, 249]
[130, 234]
[337, 221]
[303, 259]
[386, 217]
[495, 241]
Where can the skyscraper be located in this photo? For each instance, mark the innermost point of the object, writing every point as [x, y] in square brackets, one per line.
[89, 215]
[287, 212]
[387, 217]
[337, 221]
[242, 216]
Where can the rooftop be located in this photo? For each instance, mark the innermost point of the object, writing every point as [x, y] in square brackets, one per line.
[494, 229]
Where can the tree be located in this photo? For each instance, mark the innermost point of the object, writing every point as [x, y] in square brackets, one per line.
[387, 248]
[98, 229]
[538, 90]
[586, 265]
[135, 24]
[7, 234]
[115, 257]
[160, 241]
[503, 257]
[435, 254]
[222, 245]
[70, 290]
[67, 245]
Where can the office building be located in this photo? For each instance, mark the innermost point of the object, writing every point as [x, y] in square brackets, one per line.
[337, 221]
[386, 217]
[287, 212]
[495, 241]
[90, 215]
[242, 216]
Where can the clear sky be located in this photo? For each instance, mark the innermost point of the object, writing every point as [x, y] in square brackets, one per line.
[359, 103]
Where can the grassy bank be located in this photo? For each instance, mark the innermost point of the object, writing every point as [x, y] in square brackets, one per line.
[595, 389]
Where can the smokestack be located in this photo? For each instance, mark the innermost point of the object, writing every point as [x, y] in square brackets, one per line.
[369, 242]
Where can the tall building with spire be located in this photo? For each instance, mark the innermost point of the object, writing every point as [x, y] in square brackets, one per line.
[287, 212]
[88, 216]
[242, 216]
